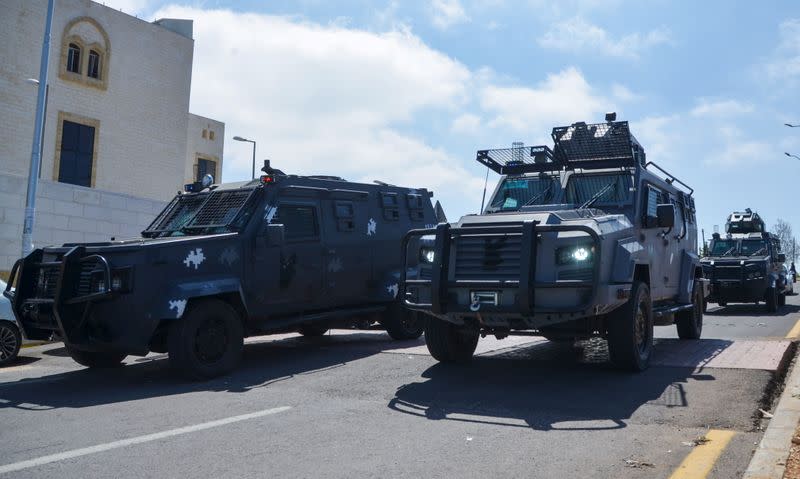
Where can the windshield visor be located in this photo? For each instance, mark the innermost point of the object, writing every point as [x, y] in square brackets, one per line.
[515, 193]
[608, 189]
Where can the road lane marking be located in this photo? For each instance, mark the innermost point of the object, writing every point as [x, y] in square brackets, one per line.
[61, 456]
[794, 333]
[701, 460]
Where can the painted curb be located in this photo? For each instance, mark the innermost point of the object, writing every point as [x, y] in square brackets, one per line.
[769, 460]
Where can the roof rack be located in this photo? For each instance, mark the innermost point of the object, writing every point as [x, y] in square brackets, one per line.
[580, 145]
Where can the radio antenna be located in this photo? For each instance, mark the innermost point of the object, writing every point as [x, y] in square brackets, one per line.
[484, 189]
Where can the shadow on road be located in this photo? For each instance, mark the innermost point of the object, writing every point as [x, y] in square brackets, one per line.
[264, 363]
[750, 309]
[540, 396]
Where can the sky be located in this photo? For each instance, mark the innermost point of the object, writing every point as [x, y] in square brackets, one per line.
[406, 92]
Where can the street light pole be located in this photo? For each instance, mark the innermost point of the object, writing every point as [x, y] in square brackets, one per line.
[36, 148]
[792, 156]
[792, 126]
[239, 138]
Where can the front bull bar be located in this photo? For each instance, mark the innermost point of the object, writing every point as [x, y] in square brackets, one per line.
[526, 286]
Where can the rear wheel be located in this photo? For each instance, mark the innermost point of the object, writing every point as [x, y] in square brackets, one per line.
[449, 342]
[96, 359]
[313, 330]
[630, 331]
[208, 340]
[10, 342]
[690, 321]
[402, 323]
[771, 300]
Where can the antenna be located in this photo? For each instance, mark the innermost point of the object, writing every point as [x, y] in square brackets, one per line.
[485, 181]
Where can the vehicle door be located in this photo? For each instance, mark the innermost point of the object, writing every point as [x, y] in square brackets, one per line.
[655, 244]
[299, 258]
[346, 261]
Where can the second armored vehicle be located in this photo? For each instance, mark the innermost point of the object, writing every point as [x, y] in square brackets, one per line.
[585, 239]
[221, 262]
[746, 266]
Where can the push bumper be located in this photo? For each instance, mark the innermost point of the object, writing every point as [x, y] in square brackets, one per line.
[447, 295]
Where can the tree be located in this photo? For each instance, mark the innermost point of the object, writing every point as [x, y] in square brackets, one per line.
[783, 231]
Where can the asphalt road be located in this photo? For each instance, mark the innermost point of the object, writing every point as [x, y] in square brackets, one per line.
[355, 404]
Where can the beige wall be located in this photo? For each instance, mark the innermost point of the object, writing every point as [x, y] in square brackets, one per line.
[141, 106]
[204, 139]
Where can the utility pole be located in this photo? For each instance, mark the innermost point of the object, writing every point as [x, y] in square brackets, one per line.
[36, 149]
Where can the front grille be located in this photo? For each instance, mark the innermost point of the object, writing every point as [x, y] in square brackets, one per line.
[84, 284]
[728, 272]
[47, 281]
[490, 257]
[583, 274]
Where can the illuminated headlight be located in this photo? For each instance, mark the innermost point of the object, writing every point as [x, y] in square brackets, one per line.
[575, 254]
[427, 255]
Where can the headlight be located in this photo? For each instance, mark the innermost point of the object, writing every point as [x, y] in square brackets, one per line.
[98, 283]
[581, 254]
[427, 255]
[122, 279]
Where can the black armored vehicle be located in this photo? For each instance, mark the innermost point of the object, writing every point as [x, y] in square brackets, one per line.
[746, 266]
[584, 239]
[220, 262]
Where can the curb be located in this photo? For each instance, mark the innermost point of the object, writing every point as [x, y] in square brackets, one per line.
[769, 460]
[31, 344]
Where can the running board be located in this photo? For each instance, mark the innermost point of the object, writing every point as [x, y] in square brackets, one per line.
[668, 312]
[291, 322]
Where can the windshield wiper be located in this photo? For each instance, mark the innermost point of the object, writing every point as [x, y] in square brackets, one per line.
[531, 201]
[729, 251]
[759, 251]
[597, 195]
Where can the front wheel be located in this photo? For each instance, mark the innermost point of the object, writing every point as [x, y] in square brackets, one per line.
[207, 341]
[449, 342]
[630, 331]
[96, 359]
[10, 342]
[690, 321]
[771, 300]
[402, 323]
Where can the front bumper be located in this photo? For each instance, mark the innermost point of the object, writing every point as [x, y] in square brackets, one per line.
[55, 296]
[521, 298]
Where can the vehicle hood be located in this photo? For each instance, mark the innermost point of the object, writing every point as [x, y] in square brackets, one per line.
[598, 220]
[139, 243]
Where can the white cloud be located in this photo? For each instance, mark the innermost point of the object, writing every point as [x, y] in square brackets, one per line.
[131, 7]
[466, 123]
[786, 61]
[326, 99]
[446, 13]
[624, 94]
[562, 98]
[576, 35]
[720, 108]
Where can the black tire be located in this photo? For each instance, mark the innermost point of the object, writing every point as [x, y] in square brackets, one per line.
[10, 342]
[690, 322]
[313, 330]
[782, 299]
[96, 359]
[207, 341]
[771, 300]
[448, 342]
[630, 331]
[403, 324]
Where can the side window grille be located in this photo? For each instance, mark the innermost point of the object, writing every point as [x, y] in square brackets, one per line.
[391, 208]
[415, 210]
[344, 212]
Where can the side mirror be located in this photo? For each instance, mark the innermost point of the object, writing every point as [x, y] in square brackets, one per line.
[781, 257]
[666, 215]
[273, 235]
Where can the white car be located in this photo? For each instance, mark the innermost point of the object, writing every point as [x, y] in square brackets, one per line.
[789, 289]
[10, 336]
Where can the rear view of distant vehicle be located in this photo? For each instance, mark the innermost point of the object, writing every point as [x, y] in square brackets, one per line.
[10, 337]
[746, 266]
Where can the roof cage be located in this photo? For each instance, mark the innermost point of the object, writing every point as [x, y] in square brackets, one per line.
[747, 221]
[600, 145]
[519, 159]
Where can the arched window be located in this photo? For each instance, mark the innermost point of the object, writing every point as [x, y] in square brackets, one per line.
[74, 58]
[94, 65]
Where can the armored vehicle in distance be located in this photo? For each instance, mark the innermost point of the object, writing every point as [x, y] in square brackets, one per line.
[746, 266]
[220, 262]
[585, 239]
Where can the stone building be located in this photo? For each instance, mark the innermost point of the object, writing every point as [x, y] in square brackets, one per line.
[118, 139]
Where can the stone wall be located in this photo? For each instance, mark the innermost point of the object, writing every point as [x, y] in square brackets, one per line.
[68, 213]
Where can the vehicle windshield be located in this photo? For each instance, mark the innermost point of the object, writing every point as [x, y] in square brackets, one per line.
[723, 248]
[515, 193]
[614, 188]
[753, 247]
[204, 213]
